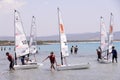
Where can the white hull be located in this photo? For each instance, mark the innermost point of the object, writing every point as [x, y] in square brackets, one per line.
[73, 66]
[104, 61]
[31, 65]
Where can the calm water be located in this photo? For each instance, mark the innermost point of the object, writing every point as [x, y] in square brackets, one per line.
[86, 53]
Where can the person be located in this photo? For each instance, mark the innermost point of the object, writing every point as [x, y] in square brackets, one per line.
[114, 54]
[15, 59]
[98, 53]
[26, 59]
[1, 48]
[23, 60]
[11, 60]
[99, 48]
[4, 48]
[52, 60]
[107, 54]
[76, 49]
[71, 50]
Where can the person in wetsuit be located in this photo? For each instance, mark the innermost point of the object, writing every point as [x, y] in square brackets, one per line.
[114, 54]
[11, 60]
[52, 60]
[98, 54]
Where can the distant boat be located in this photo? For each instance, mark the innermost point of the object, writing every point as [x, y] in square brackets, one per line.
[64, 49]
[106, 39]
[21, 44]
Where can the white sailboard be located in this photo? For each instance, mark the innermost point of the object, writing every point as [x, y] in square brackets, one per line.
[64, 49]
[21, 44]
[106, 40]
[33, 42]
[103, 41]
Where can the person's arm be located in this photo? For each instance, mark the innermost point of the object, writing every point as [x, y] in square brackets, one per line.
[45, 59]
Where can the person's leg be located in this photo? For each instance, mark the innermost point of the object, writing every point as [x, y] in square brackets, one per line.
[107, 56]
[97, 57]
[116, 60]
[10, 66]
[112, 59]
[13, 65]
[22, 60]
[53, 66]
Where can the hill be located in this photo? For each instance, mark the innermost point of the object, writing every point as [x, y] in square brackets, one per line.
[70, 37]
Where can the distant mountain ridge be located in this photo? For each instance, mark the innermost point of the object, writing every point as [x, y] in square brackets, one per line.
[82, 36]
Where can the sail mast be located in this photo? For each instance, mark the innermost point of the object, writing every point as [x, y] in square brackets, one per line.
[63, 39]
[14, 32]
[30, 35]
[100, 30]
[59, 36]
[15, 40]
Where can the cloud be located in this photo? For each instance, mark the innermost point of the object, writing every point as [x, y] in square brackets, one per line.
[6, 5]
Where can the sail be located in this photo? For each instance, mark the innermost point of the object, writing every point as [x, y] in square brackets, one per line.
[21, 45]
[63, 39]
[103, 33]
[33, 43]
[111, 33]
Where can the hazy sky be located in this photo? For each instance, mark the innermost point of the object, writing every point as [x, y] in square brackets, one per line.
[79, 16]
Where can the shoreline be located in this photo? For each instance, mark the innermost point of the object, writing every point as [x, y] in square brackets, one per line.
[40, 42]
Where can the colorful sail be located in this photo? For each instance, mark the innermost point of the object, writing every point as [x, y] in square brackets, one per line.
[33, 43]
[103, 33]
[111, 33]
[63, 39]
[21, 45]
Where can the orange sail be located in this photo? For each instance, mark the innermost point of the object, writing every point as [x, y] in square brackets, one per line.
[63, 39]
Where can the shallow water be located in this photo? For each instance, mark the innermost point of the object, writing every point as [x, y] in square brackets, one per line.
[86, 54]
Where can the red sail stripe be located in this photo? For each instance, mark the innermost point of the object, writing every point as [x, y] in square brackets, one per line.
[111, 28]
[61, 28]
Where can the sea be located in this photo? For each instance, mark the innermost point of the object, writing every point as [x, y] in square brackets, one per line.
[86, 54]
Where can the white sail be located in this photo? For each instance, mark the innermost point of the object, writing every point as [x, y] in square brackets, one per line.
[33, 43]
[111, 33]
[63, 39]
[64, 49]
[103, 33]
[21, 45]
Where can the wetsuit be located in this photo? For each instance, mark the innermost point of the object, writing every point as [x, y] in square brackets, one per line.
[114, 52]
[11, 62]
[52, 59]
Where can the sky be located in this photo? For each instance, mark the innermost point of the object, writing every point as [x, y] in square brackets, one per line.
[79, 16]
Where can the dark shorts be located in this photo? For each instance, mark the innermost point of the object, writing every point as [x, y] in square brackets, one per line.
[114, 56]
[52, 62]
